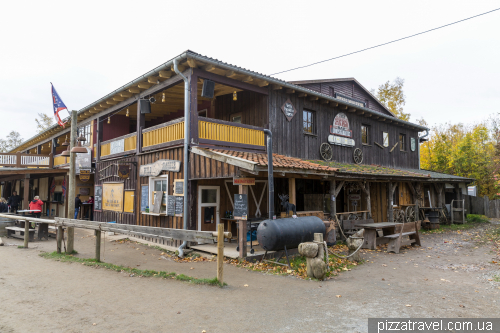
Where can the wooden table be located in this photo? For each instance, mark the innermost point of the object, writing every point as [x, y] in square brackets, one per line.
[85, 207]
[371, 235]
[43, 227]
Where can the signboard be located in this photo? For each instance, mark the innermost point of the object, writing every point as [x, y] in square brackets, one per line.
[144, 197]
[341, 126]
[116, 147]
[84, 175]
[243, 181]
[179, 187]
[123, 171]
[179, 206]
[354, 196]
[288, 109]
[98, 198]
[154, 169]
[128, 206]
[83, 161]
[412, 144]
[170, 205]
[240, 206]
[340, 141]
[84, 190]
[350, 100]
[112, 197]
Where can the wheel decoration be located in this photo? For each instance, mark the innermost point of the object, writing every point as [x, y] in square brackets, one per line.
[399, 215]
[326, 151]
[410, 214]
[358, 155]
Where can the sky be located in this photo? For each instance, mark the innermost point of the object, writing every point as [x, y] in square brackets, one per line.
[88, 49]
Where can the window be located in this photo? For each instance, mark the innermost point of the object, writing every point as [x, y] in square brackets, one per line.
[365, 134]
[308, 121]
[158, 184]
[385, 137]
[402, 142]
[85, 131]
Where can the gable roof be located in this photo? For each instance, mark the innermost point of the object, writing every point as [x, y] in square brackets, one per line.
[344, 80]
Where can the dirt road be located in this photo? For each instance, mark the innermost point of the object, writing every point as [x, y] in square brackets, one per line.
[446, 277]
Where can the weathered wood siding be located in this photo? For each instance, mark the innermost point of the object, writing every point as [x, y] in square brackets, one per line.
[207, 168]
[379, 202]
[129, 184]
[289, 138]
[253, 108]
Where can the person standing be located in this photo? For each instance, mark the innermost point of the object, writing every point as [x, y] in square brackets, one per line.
[4, 208]
[91, 201]
[36, 205]
[14, 201]
[78, 204]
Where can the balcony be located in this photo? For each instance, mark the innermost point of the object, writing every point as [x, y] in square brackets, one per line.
[118, 146]
[19, 160]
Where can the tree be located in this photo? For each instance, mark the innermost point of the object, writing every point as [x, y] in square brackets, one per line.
[13, 140]
[44, 122]
[393, 97]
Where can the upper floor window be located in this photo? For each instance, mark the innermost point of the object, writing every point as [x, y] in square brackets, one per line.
[308, 121]
[365, 134]
[402, 142]
[385, 138]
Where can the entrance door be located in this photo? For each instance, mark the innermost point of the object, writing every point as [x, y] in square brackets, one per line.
[208, 208]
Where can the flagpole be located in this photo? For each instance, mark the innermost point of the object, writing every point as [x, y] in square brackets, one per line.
[71, 183]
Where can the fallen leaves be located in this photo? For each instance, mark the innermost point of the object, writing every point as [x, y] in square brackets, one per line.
[408, 305]
[338, 296]
[245, 285]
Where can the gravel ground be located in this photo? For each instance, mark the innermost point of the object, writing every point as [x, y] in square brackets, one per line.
[449, 276]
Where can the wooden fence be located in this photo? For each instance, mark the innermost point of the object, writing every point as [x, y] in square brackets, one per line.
[482, 206]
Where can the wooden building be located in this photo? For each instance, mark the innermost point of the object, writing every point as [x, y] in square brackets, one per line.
[336, 148]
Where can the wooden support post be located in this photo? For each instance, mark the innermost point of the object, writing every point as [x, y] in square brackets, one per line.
[292, 192]
[59, 238]
[141, 124]
[98, 245]
[390, 209]
[333, 205]
[26, 199]
[26, 233]
[220, 253]
[242, 241]
[71, 183]
[366, 188]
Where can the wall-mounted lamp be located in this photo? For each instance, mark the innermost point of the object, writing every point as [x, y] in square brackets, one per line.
[163, 98]
[235, 96]
[109, 120]
[127, 113]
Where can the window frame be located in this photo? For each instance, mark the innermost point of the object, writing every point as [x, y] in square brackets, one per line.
[86, 131]
[384, 136]
[312, 122]
[367, 127]
[151, 183]
[402, 142]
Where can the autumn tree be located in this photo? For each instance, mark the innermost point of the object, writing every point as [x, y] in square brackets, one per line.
[393, 97]
[43, 122]
[12, 140]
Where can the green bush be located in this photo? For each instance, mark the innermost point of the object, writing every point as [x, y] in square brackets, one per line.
[473, 218]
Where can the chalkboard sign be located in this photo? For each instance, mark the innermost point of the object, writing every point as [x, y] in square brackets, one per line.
[179, 187]
[170, 205]
[98, 198]
[179, 206]
[240, 206]
[144, 197]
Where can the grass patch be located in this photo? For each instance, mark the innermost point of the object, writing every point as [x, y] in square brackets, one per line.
[139, 272]
[496, 278]
[472, 222]
[20, 246]
[473, 218]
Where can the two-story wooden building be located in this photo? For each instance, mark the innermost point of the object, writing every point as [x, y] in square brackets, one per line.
[336, 148]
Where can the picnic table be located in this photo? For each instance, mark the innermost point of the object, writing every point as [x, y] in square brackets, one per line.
[371, 236]
[43, 227]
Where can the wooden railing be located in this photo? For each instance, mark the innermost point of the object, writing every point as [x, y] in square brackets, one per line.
[19, 160]
[220, 132]
[171, 131]
[60, 160]
[119, 145]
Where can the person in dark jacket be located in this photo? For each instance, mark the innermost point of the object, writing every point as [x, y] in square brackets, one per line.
[4, 208]
[14, 201]
[78, 204]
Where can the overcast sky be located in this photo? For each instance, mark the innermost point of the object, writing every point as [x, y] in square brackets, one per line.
[90, 49]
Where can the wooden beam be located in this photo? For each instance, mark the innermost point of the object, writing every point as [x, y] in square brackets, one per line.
[144, 85]
[325, 101]
[134, 90]
[209, 68]
[119, 99]
[383, 119]
[343, 107]
[153, 80]
[276, 87]
[368, 115]
[263, 83]
[352, 110]
[248, 79]
[192, 63]
[179, 67]
[125, 94]
[302, 94]
[313, 98]
[165, 74]
[111, 102]
[361, 112]
[290, 91]
[230, 74]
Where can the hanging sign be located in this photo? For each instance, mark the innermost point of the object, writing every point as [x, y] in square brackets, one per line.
[413, 144]
[350, 100]
[84, 175]
[154, 169]
[243, 181]
[341, 126]
[354, 196]
[288, 109]
[83, 161]
[123, 171]
[340, 141]
[240, 206]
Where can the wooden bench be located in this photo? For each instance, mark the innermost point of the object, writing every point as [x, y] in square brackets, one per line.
[349, 226]
[409, 229]
[11, 232]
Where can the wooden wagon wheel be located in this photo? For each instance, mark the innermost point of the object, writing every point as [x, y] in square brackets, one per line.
[399, 215]
[410, 214]
[353, 217]
[358, 155]
[326, 151]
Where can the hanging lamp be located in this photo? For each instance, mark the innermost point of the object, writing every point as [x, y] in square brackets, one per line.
[79, 148]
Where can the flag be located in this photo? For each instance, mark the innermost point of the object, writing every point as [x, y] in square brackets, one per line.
[64, 187]
[58, 106]
[53, 186]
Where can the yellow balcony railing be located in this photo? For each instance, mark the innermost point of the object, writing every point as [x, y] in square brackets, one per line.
[163, 133]
[119, 145]
[222, 131]
[60, 160]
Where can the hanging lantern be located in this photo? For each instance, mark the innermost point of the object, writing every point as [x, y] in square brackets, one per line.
[109, 120]
[163, 98]
[79, 148]
[49, 144]
[57, 140]
[127, 113]
[235, 96]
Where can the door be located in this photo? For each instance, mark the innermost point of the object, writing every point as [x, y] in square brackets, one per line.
[208, 208]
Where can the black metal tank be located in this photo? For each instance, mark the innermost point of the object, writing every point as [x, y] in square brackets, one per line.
[274, 235]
